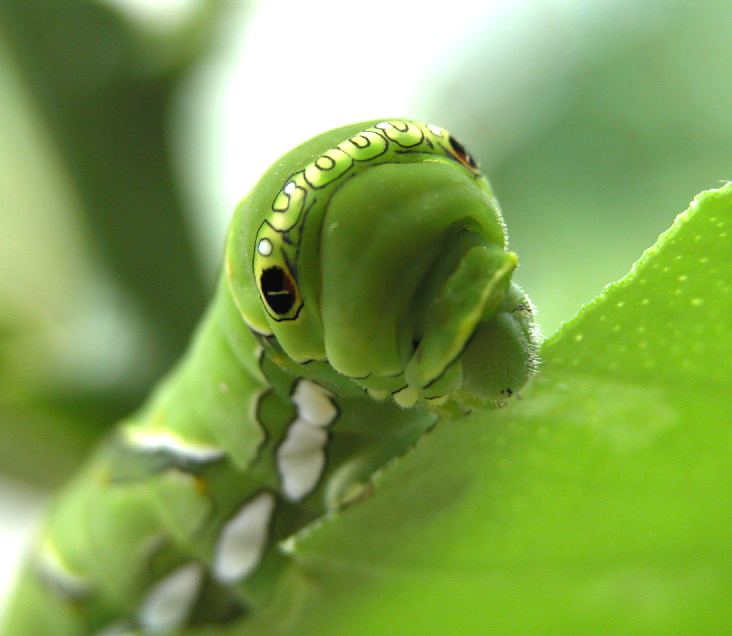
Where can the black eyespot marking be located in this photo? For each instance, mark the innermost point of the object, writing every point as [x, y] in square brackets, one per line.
[462, 154]
[278, 289]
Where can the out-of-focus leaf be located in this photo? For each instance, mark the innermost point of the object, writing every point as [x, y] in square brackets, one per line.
[93, 88]
[104, 88]
[44, 439]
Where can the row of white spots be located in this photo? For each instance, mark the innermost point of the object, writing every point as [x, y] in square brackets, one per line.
[169, 603]
[301, 456]
[169, 442]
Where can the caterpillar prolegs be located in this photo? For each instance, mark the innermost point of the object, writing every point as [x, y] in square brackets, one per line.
[366, 293]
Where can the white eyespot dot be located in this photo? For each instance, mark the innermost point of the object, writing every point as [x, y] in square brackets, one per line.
[435, 130]
[170, 601]
[383, 125]
[264, 247]
[243, 540]
[290, 187]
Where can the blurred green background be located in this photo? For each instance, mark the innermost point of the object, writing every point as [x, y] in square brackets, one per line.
[130, 128]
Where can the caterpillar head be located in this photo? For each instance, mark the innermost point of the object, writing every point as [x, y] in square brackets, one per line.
[380, 249]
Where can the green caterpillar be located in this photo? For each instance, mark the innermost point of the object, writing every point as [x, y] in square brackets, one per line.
[366, 294]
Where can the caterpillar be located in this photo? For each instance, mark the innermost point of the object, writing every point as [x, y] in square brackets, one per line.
[366, 294]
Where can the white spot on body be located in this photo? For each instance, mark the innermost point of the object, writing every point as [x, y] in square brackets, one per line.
[172, 443]
[301, 456]
[170, 601]
[314, 403]
[243, 540]
[289, 187]
[264, 247]
[435, 130]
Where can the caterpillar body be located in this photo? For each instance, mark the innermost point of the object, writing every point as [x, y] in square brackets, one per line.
[366, 293]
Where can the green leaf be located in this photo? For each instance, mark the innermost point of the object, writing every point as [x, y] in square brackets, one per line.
[600, 503]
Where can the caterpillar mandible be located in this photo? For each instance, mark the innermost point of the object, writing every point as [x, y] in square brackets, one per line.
[366, 293]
